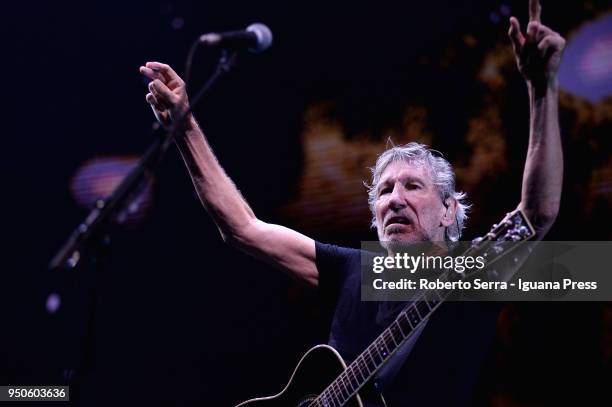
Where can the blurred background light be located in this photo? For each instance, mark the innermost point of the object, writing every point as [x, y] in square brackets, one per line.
[53, 303]
[98, 178]
[586, 70]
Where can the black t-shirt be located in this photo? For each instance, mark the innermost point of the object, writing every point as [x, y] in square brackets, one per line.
[438, 366]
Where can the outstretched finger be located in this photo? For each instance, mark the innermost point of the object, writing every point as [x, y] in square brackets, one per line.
[535, 10]
[150, 73]
[515, 34]
[164, 69]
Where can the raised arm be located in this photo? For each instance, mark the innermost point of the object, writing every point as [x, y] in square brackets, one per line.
[538, 55]
[284, 248]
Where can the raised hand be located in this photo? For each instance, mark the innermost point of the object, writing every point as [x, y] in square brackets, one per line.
[167, 94]
[538, 51]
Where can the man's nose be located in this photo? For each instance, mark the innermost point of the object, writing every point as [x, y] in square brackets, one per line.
[397, 199]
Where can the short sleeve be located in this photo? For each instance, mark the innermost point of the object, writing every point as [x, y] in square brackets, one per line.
[334, 265]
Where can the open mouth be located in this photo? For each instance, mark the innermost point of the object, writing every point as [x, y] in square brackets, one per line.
[398, 220]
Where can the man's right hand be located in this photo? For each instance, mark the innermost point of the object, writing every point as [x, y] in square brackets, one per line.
[167, 93]
[283, 248]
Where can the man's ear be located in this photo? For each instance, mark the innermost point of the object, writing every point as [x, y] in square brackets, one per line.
[451, 210]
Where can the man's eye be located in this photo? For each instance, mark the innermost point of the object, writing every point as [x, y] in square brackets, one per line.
[413, 185]
[384, 191]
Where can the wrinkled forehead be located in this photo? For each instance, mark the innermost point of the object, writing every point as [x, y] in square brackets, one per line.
[403, 168]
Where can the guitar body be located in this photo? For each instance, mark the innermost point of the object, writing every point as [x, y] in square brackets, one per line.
[314, 372]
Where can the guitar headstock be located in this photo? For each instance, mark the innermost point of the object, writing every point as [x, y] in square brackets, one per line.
[515, 227]
[504, 237]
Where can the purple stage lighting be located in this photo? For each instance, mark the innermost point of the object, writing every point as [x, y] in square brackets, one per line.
[586, 69]
[98, 178]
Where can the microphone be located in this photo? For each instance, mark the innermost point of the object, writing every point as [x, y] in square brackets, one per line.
[256, 38]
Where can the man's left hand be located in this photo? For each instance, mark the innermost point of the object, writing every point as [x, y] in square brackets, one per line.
[538, 51]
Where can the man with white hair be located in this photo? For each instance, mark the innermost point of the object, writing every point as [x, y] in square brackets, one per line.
[424, 166]
[412, 195]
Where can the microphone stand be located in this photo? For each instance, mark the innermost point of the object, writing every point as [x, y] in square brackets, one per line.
[91, 236]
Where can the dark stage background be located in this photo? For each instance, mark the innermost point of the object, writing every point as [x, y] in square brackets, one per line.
[182, 319]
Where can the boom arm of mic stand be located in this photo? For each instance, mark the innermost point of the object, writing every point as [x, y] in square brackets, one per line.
[69, 255]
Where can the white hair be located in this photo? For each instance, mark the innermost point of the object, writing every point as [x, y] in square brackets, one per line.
[442, 176]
